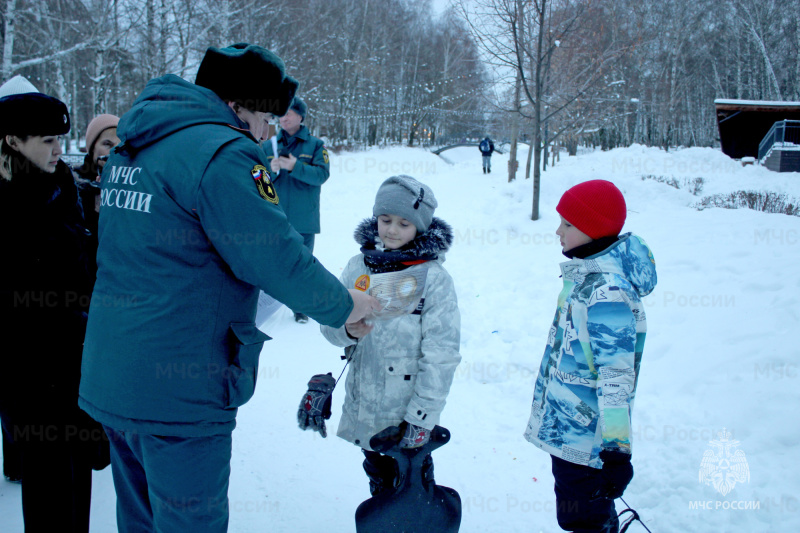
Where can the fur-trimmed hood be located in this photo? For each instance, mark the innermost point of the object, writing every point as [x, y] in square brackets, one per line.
[431, 244]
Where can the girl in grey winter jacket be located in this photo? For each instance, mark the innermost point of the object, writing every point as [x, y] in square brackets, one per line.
[401, 368]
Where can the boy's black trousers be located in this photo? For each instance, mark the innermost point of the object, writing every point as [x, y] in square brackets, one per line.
[575, 508]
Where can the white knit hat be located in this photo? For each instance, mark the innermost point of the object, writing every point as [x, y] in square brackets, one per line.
[17, 85]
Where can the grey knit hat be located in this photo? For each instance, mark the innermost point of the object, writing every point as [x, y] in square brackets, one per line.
[406, 197]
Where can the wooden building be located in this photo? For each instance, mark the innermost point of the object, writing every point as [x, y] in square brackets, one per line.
[743, 124]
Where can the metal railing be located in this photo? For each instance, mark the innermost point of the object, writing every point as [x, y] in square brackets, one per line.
[783, 134]
[73, 160]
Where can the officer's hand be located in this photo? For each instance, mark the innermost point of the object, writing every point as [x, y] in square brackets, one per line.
[315, 407]
[363, 306]
[286, 161]
[358, 329]
[275, 165]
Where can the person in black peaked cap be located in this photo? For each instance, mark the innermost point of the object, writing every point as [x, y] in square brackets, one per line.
[46, 278]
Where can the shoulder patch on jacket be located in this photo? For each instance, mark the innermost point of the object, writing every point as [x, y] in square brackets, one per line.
[263, 184]
[325, 155]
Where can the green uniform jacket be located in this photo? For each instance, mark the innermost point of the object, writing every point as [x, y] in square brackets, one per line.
[299, 189]
[190, 230]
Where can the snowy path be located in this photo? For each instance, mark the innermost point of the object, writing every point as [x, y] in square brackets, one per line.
[721, 353]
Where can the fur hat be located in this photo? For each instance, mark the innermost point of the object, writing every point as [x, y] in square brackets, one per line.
[595, 207]
[406, 197]
[299, 107]
[249, 75]
[98, 125]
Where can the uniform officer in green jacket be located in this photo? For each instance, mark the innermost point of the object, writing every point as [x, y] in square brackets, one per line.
[298, 173]
[188, 221]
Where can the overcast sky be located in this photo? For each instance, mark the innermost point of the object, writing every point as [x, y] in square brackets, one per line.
[439, 5]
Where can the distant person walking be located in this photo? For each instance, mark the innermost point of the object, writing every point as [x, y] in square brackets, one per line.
[487, 148]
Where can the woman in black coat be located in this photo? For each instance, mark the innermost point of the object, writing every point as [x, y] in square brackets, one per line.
[46, 279]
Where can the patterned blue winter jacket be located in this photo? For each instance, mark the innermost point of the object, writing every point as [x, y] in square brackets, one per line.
[584, 393]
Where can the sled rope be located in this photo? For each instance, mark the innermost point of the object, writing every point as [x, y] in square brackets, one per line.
[348, 354]
[345, 368]
[630, 519]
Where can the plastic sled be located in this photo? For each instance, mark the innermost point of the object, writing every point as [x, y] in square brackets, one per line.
[412, 507]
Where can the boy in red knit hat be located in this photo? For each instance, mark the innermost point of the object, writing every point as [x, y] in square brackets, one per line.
[584, 393]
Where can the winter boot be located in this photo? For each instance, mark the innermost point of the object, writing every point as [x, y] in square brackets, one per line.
[415, 504]
[300, 318]
[382, 472]
[484, 170]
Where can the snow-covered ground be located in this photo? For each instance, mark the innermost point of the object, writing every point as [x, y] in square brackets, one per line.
[720, 354]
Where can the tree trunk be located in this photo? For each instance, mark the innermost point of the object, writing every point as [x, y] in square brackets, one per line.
[99, 105]
[513, 164]
[150, 43]
[739, 82]
[528, 162]
[162, 39]
[773, 81]
[8, 44]
[537, 113]
[572, 145]
[225, 30]
[797, 60]
[537, 157]
[545, 147]
[372, 136]
[749, 21]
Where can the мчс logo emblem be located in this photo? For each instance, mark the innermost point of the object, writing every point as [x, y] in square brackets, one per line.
[723, 465]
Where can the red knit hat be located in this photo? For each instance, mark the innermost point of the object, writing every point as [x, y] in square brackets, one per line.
[595, 207]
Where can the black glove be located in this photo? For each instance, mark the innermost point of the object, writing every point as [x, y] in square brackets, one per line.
[616, 474]
[315, 407]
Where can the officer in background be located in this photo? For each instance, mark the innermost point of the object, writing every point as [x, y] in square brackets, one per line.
[298, 173]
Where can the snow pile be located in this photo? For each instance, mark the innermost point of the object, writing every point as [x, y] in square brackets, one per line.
[719, 354]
